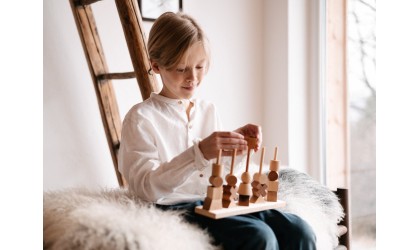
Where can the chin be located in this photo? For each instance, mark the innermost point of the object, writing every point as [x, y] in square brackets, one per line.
[187, 95]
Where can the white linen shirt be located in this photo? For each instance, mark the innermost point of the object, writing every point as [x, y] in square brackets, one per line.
[159, 154]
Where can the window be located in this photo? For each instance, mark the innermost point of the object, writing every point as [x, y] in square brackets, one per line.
[361, 47]
[351, 112]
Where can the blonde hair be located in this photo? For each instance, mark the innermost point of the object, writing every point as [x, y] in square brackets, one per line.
[171, 36]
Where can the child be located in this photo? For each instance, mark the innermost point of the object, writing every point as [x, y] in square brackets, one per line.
[168, 140]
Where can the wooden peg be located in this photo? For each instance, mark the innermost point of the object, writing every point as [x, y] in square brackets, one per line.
[275, 154]
[230, 178]
[273, 177]
[229, 190]
[275, 164]
[262, 159]
[258, 185]
[233, 160]
[219, 156]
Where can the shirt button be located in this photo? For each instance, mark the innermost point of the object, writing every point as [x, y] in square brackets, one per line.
[190, 126]
[201, 175]
[179, 102]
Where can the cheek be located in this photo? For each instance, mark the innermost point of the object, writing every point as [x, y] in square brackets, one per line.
[201, 75]
[176, 77]
[171, 79]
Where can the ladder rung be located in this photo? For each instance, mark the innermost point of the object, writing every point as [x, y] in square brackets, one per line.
[110, 76]
[85, 2]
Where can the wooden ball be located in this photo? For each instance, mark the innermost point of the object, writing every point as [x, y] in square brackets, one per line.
[246, 177]
[255, 184]
[231, 180]
[273, 176]
[263, 179]
[257, 177]
[216, 181]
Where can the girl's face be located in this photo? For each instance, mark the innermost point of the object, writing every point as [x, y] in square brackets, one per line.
[181, 82]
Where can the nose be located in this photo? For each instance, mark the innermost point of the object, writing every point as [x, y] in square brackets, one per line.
[192, 75]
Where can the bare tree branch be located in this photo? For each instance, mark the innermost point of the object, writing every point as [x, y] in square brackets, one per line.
[368, 5]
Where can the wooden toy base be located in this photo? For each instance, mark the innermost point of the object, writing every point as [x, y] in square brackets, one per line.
[237, 210]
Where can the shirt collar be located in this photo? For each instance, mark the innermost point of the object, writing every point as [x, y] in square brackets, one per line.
[170, 100]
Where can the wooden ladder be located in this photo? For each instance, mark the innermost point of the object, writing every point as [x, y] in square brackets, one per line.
[102, 79]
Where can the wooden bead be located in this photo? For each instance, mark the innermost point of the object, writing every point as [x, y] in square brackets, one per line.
[255, 184]
[273, 176]
[216, 181]
[274, 165]
[231, 180]
[257, 199]
[214, 192]
[273, 186]
[228, 189]
[246, 177]
[228, 203]
[244, 189]
[263, 189]
[271, 196]
[252, 142]
[217, 170]
[229, 195]
[243, 200]
[257, 177]
[263, 179]
[259, 190]
[210, 204]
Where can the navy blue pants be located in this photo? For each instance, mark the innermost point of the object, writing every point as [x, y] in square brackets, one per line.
[269, 229]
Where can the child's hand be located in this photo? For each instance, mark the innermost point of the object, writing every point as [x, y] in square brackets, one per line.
[227, 141]
[251, 130]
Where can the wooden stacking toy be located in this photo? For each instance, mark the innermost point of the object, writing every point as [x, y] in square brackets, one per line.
[245, 189]
[229, 190]
[258, 184]
[260, 194]
[273, 178]
[215, 190]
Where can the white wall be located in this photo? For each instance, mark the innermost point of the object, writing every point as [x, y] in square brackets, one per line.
[75, 148]
[253, 65]
[291, 85]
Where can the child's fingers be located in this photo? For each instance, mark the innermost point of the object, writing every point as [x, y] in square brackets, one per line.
[229, 134]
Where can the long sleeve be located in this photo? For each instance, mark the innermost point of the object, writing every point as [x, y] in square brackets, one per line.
[159, 154]
[149, 177]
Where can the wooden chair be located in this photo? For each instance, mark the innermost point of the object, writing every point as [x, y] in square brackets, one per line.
[344, 225]
[135, 37]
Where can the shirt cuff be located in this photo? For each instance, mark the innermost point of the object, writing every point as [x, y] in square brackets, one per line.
[199, 161]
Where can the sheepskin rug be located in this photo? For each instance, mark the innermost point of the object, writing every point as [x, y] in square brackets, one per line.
[313, 202]
[112, 219]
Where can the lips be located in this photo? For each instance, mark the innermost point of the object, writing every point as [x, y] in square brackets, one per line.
[188, 87]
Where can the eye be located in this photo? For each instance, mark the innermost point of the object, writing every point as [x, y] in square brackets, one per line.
[180, 70]
[199, 67]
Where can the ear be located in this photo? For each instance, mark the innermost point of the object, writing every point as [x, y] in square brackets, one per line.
[155, 67]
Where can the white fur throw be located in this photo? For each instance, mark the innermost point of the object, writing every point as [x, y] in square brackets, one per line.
[113, 219]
